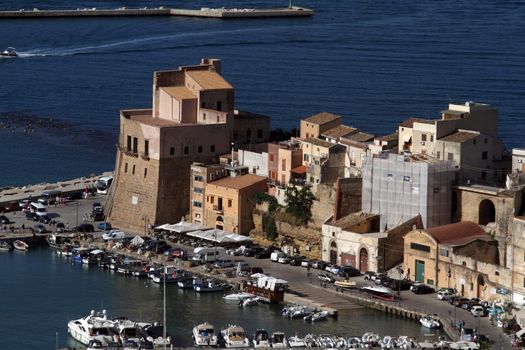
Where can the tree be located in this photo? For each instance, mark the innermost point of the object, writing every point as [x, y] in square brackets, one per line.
[299, 202]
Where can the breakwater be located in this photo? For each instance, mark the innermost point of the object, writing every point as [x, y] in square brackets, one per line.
[223, 13]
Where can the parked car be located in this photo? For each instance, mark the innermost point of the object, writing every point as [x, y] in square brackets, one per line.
[113, 235]
[467, 305]
[252, 251]
[4, 219]
[74, 195]
[325, 277]
[453, 291]
[306, 263]
[11, 206]
[381, 279]
[179, 253]
[44, 219]
[459, 301]
[104, 225]
[444, 294]
[97, 206]
[369, 274]
[333, 269]
[348, 271]
[422, 289]
[296, 260]
[319, 264]
[60, 227]
[39, 228]
[97, 215]
[477, 311]
[221, 264]
[284, 260]
[264, 254]
[84, 228]
[399, 284]
[31, 216]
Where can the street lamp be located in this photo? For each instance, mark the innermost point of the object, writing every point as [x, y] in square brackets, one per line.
[77, 213]
[400, 271]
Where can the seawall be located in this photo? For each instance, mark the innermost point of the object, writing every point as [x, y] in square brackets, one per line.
[123, 12]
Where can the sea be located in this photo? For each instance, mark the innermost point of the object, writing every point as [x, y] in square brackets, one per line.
[41, 292]
[376, 63]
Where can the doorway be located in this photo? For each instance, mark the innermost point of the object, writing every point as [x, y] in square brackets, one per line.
[363, 260]
[420, 271]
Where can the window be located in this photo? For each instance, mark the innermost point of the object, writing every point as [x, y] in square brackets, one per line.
[484, 155]
[420, 247]
[198, 190]
[271, 157]
[126, 167]
[438, 155]
[450, 156]
[212, 148]
[259, 133]
[128, 147]
[203, 104]
[135, 145]
[199, 149]
[306, 158]
[229, 203]
[431, 138]
[172, 151]
[218, 119]
[197, 204]
[423, 137]
[219, 105]
[283, 164]
[133, 171]
[186, 150]
[486, 140]
[212, 199]
[145, 172]
[443, 252]
[198, 178]
[204, 116]
[146, 148]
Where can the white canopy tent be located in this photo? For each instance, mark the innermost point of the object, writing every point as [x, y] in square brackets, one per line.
[137, 240]
[181, 227]
[219, 236]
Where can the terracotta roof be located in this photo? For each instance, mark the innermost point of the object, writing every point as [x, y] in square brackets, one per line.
[359, 137]
[409, 123]
[460, 232]
[179, 92]
[388, 138]
[460, 136]
[355, 144]
[319, 142]
[209, 80]
[301, 169]
[239, 182]
[350, 220]
[339, 131]
[322, 118]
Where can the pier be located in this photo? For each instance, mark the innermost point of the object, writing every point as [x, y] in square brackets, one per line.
[221, 13]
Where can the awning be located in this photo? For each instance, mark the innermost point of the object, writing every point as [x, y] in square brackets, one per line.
[137, 240]
[301, 169]
[219, 236]
[407, 139]
[181, 227]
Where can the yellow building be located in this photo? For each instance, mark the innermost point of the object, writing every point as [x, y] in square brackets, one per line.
[459, 255]
[317, 124]
[231, 200]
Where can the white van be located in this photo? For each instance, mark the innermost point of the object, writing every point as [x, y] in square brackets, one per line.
[276, 255]
[49, 197]
[37, 208]
[204, 254]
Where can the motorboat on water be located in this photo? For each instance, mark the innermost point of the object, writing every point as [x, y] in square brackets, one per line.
[57, 240]
[296, 342]
[20, 245]
[297, 311]
[130, 330]
[261, 339]
[278, 340]
[9, 52]
[186, 283]
[430, 321]
[5, 246]
[204, 335]
[155, 335]
[95, 326]
[210, 286]
[235, 337]
[316, 316]
[170, 276]
[238, 296]
[249, 301]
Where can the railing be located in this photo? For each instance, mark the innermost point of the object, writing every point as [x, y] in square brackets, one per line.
[144, 155]
[218, 210]
[127, 152]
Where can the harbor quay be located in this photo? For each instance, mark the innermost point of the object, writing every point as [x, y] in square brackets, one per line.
[222, 13]
[304, 286]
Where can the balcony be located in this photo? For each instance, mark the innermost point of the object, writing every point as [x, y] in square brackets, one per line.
[127, 152]
[219, 210]
[144, 155]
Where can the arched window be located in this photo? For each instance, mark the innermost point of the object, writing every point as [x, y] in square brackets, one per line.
[487, 212]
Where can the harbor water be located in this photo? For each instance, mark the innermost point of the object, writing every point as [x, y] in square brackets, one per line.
[376, 63]
[41, 292]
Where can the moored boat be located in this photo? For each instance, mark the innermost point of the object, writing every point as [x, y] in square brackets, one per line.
[430, 321]
[20, 245]
[296, 342]
[316, 316]
[211, 286]
[5, 246]
[380, 292]
[9, 52]
[237, 296]
[204, 335]
[235, 337]
[92, 326]
[261, 339]
[278, 340]
[346, 284]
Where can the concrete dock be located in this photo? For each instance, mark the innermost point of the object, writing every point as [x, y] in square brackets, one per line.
[222, 13]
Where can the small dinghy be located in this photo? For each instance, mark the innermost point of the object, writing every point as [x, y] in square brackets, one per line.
[20, 245]
[5, 246]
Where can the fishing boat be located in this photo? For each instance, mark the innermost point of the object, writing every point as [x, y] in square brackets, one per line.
[237, 296]
[204, 335]
[296, 342]
[270, 288]
[210, 286]
[430, 321]
[261, 339]
[20, 245]
[278, 340]
[5, 246]
[9, 52]
[186, 283]
[234, 337]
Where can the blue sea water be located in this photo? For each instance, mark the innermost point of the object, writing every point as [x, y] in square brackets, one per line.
[376, 63]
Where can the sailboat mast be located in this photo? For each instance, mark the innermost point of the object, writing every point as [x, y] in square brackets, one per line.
[164, 320]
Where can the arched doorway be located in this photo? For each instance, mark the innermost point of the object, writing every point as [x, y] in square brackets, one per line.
[481, 285]
[333, 253]
[487, 212]
[363, 260]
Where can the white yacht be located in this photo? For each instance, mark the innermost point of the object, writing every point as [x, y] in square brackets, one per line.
[130, 330]
[261, 339]
[88, 327]
[238, 296]
[204, 335]
[235, 337]
[296, 342]
[278, 340]
[430, 321]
